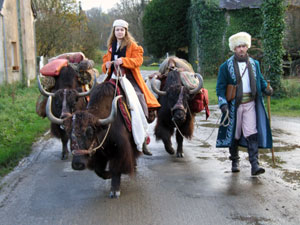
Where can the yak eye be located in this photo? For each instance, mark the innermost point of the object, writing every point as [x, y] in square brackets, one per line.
[89, 132]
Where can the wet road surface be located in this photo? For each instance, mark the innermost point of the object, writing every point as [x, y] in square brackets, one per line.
[198, 189]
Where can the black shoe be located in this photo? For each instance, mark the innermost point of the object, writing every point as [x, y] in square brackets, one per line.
[234, 156]
[253, 155]
[235, 166]
[256, 170]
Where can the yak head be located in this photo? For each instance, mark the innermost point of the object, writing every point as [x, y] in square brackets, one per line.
[178, 97]
[67, 95]
[85, 130]
[65, 102]
[175, 96]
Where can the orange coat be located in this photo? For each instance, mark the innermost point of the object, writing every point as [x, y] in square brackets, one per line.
[133, 61]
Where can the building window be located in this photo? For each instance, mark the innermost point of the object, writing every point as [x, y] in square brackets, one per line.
[14, 56]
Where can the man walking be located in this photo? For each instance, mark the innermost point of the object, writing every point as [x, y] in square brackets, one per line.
[239, 89]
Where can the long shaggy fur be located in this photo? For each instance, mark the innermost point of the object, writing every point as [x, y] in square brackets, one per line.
[66, 79]
[179, 63]
[165, 127]
[119, 148]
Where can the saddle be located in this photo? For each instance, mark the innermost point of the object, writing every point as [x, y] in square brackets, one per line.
[123, 107]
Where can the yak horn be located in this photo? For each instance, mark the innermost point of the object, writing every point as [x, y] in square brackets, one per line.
[153, 86]
[49, 114]
[83, 94]
[42, 90]
[113, 112]
[197, 89]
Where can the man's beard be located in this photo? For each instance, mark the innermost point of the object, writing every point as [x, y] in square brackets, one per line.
[241, 58]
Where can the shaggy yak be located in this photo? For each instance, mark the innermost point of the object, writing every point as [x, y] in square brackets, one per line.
[66, 95]
[98, 142]
[174, 112]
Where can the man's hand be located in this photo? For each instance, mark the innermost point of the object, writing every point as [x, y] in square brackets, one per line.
[269, 91]
[224, 108]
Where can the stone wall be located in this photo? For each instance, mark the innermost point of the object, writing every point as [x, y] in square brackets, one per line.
[12, 42]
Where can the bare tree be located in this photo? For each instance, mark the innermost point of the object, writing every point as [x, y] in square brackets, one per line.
[57, 20]
[100, 23]
[132, 11]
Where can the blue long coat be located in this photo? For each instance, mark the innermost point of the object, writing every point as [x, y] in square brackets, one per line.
[226, 134]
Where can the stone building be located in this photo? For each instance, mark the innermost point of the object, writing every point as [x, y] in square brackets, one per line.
[17, 41]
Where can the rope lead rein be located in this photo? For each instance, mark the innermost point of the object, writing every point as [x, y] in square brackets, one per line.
[224, 120]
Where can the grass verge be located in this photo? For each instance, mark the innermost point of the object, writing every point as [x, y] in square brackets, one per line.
[149, 68]
[20, 125]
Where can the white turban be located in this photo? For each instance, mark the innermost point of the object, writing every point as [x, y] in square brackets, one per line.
[120, 23]
[241, 38]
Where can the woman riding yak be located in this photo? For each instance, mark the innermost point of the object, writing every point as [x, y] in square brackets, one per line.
[123, 58]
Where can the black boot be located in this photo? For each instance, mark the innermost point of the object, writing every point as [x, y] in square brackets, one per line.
[145, 148]
[253, 155]
[234, 156]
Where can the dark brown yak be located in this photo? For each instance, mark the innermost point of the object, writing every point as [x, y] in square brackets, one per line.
[174, 112]
[67, 98]
[97, 142]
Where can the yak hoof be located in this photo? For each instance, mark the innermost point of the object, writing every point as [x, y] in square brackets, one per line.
[180, 155]
[114, 194]
[103, 174]
[64, 155]
[170, 151]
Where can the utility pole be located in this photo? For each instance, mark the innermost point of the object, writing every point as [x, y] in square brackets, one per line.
[23, 74]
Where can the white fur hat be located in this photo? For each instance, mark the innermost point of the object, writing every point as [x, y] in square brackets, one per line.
[120, 23]
[241, 38]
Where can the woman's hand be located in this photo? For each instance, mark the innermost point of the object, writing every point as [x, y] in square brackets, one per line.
[108, 64]
[118, 62]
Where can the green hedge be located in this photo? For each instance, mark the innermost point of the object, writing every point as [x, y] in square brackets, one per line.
[209, 25]
[165, 27]
[273, 28]
[210, 29]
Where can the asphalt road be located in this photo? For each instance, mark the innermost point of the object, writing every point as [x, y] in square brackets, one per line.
[198, 189]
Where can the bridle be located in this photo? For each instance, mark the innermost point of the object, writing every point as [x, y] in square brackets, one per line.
[91, 151]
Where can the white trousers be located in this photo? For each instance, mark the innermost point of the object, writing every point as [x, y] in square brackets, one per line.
[245, 120]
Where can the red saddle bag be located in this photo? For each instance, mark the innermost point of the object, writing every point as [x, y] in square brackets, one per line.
[53, 68]
[200, 102]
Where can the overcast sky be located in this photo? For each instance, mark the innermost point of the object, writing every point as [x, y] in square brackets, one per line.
[104, 4]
